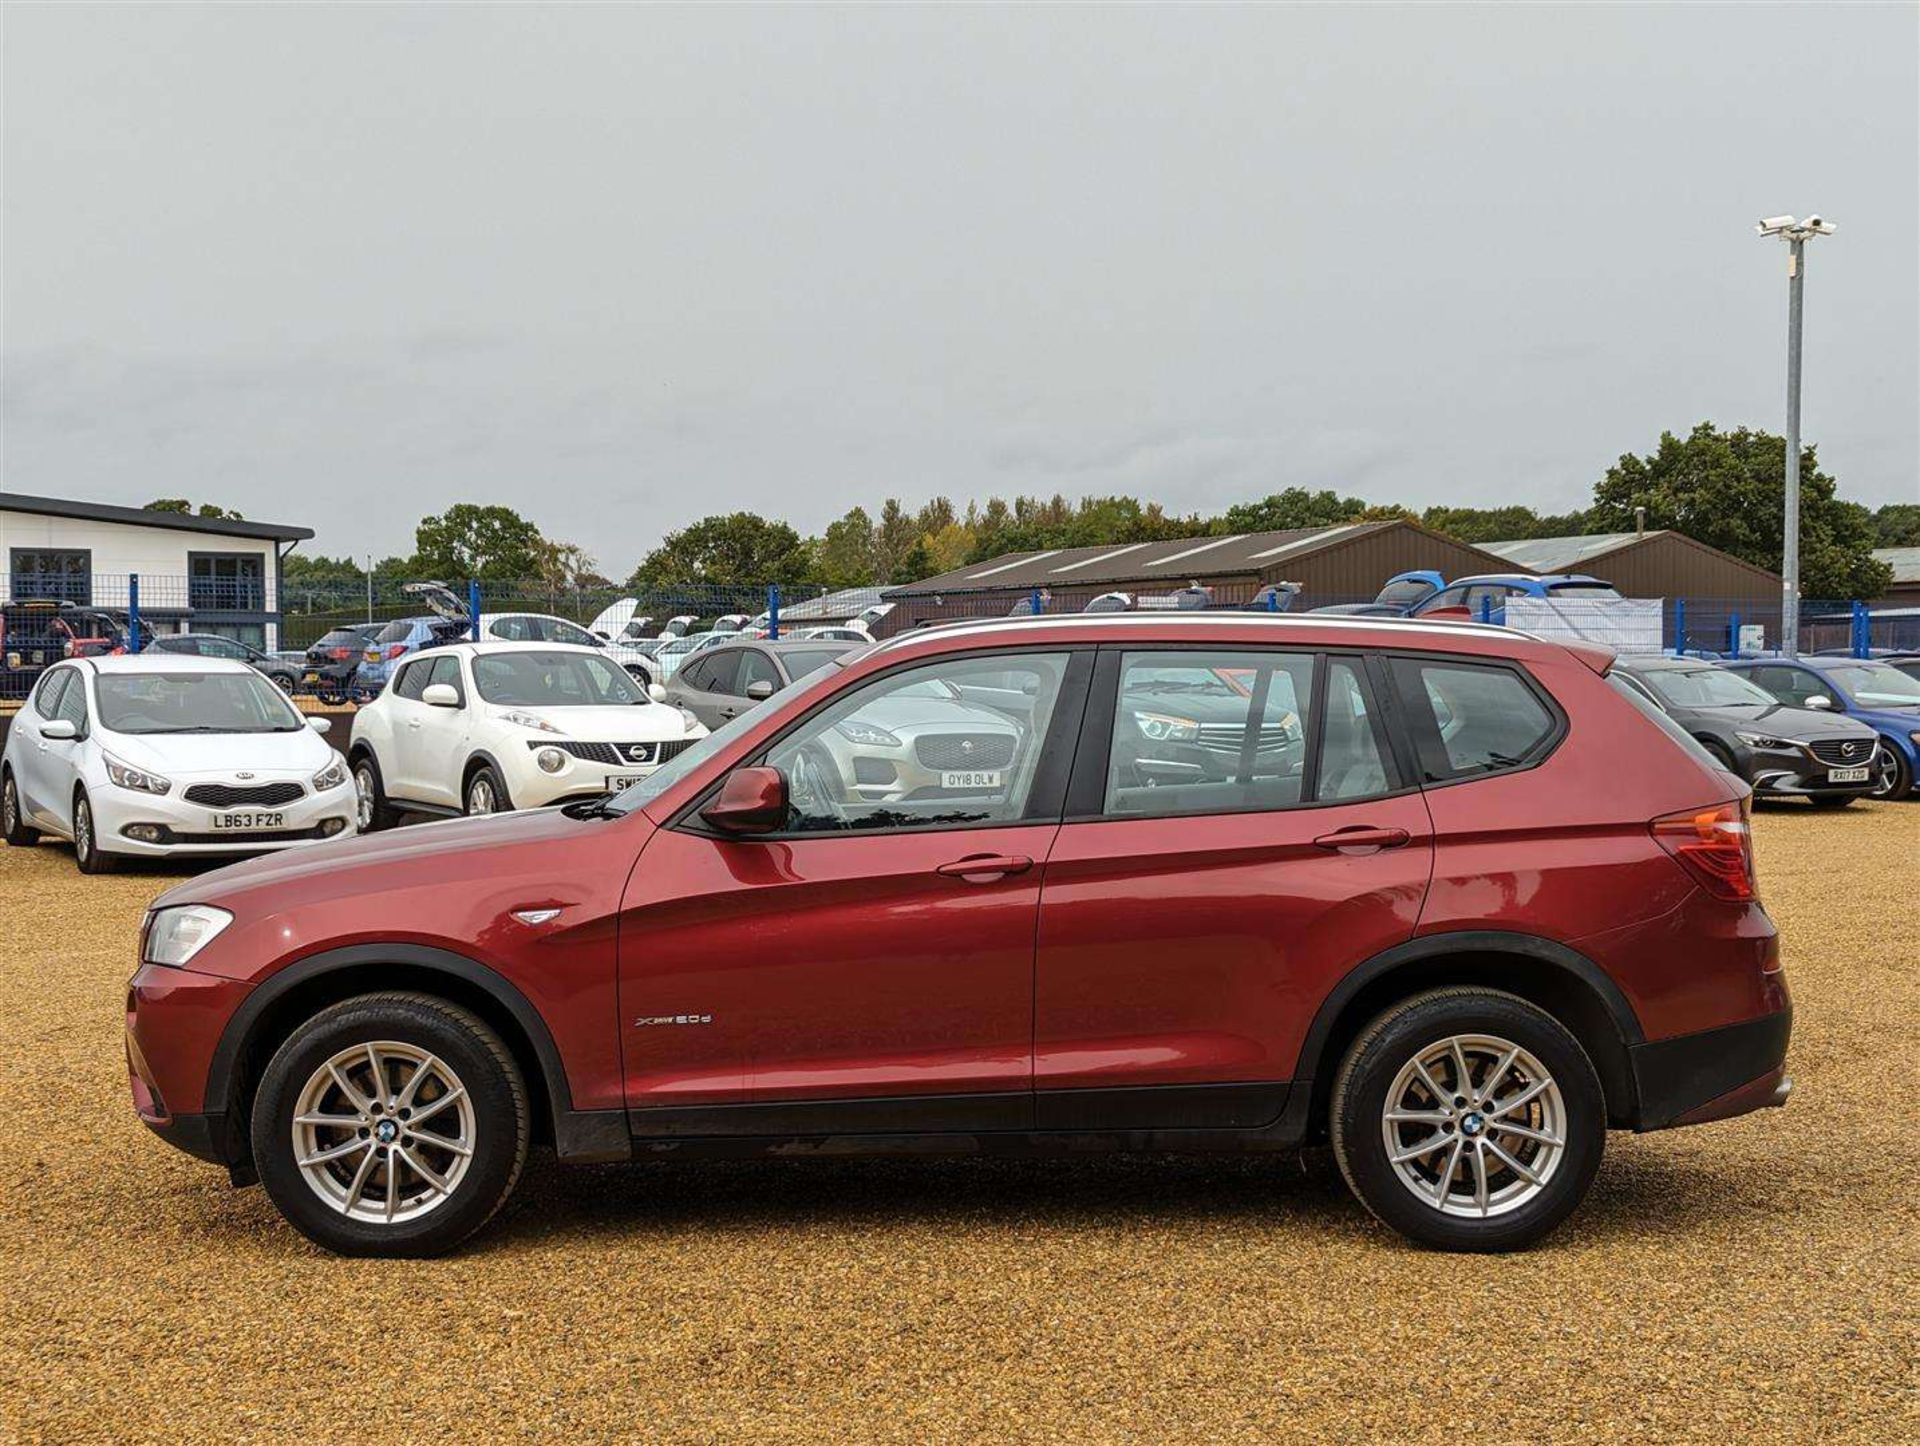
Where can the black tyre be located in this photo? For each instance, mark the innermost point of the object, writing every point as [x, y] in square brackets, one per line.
[485, 793]
[87, 853]
[372, 811]
[285, 682]
[1831, 800]
[391, 1124]
[1721, 755]
[1469, 1120]
[1892, 778]
[13, 819]
[330, 697]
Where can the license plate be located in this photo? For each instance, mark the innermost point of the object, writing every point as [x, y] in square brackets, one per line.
[222, 822]
[1847, 775]
[615, 784]
[309, 677]
[977, 778]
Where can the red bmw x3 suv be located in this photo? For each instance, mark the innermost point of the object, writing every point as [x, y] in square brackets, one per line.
[1440, 894]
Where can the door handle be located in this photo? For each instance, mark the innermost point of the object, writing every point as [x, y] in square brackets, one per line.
[985, 868]
[1362, 837]
[413, 722]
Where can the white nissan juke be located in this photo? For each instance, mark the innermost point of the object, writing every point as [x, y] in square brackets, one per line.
[159, 754]
[481, 728]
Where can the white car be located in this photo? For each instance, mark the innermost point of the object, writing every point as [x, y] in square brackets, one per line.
[480, 728]
[157, 754]
[668, 657]
[546, 628]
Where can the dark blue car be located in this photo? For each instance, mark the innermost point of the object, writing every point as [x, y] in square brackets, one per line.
[1877, 694]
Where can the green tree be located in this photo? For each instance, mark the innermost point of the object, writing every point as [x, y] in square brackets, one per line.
[915, 563]
[1725, 489]
[469, 540]
[843, 554]
[304, 567]
[180, 504]
[737, 548]
[1897, 525]
[1294, 507]
[1503, 524]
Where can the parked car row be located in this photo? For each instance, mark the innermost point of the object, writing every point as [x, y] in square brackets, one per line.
[1454, 900]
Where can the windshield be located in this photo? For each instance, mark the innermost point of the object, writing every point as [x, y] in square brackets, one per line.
[552, 680]
[1584, 589]
[1406, 593]
[802, 661]
[1704, 688]
[1876, 685]
[193, 703]
[397, 631]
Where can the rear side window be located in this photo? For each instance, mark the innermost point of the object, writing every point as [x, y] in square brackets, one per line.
[1472, 719]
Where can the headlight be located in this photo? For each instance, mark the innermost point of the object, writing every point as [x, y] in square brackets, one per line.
[174, 936]
[1165, 728]
[551, 760]
[1913, 738]
[527, 720]
[125, 775]
[854, 731]
[690, 722]
[1765, 740]
[332, 776]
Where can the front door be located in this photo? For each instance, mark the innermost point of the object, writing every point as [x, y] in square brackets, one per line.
[1254, 840]
[869, 967]
[430, 741]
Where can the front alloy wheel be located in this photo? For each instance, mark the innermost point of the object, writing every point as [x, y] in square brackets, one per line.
[87, 853]
[391, 1124]
[1468, 1119]
[1890, 775]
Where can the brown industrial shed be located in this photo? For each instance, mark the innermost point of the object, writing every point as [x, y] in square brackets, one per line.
[1347, 563]
[1657, 563]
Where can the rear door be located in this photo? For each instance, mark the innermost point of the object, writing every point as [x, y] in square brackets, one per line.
[1240, 833]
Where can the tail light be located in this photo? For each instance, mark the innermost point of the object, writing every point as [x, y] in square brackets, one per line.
[1714, 845]
[340, 655]
[394, 650]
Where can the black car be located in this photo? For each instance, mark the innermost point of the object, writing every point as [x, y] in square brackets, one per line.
[332, 658]
[1781, 751]
[285, 675]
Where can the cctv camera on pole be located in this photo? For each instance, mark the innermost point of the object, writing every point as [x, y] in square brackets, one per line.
[1797, 234]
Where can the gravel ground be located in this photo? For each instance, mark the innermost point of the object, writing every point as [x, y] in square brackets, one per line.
[1750, 1279]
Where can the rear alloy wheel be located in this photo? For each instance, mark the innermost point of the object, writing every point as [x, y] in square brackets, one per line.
[13, 824]
[87, 853]
[1891, 776]
[284, 683]
[391, 1124]
[1468, 1119]
[486, 793]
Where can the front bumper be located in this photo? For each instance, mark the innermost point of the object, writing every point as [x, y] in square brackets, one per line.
[1713, 1075]
[1796, 773]
[174, 1022]
[188, 828]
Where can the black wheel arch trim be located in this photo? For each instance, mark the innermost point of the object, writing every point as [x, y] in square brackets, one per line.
[1440, 946]
[578, 1134]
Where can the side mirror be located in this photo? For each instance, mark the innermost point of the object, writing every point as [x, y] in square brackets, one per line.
[656, 692]
[320, 725]
[440, 695]
[760, 690]
[752, 800]
[59, 729]
[1820, 701]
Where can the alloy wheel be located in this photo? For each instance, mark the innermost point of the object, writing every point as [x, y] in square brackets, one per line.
[1886, 772]
[82, 830]
[383, 1132]
[480, 799]
[1474, 1126]
[9, 808]
[363, 797]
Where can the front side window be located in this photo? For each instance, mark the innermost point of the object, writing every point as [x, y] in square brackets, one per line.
[552, 680]
[1480, 718]
[446, 669]
[1789, 685]
[46, 694]
[193, 703]
[756, 667]
[72, 703]
[953, 742]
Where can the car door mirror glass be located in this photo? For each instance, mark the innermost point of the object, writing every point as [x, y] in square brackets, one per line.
[440, 695]
[59, 729]
[752, 800]
[1819, 701]
[759, 690]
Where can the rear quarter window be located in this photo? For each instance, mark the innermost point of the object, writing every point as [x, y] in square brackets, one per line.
[1471, 720]
[1657, 715]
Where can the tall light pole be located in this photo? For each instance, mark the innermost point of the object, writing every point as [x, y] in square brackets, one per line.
[1798, 233]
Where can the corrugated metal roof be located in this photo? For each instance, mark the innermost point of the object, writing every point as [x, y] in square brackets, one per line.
[1173, 560]
[1563, 554]
[1905, 562]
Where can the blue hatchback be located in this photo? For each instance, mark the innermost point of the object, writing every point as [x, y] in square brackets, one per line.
[393, 642]
[1484, 597]
[1884, 698]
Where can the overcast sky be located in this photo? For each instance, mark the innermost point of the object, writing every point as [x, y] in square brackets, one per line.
[620, 268]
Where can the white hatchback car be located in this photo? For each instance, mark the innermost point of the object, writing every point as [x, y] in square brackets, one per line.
[485, 727]
[158, 754]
